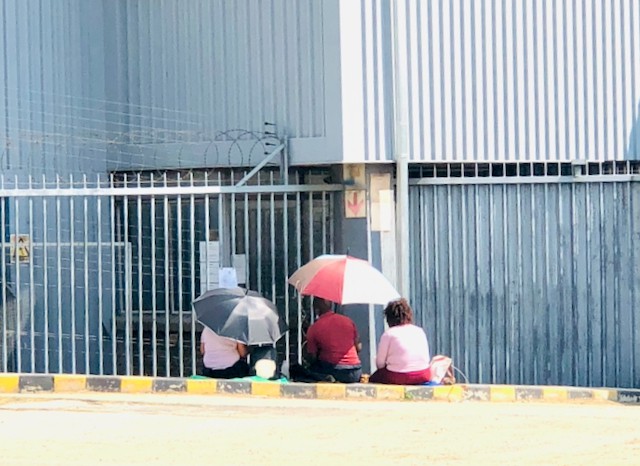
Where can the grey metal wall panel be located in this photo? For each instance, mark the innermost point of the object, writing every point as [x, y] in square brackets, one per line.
[51, 86]
[195, 68]
[519, 80]
[530, 283]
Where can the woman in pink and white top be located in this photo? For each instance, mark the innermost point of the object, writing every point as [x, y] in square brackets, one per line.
[403, 352]
[222, 357]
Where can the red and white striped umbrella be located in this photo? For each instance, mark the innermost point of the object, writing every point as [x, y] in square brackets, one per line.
[343, 280]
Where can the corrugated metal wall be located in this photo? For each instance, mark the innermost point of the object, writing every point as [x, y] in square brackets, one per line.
[530, 283]
[485, 80]
[223, 64]
[51, 86]
[519, 80]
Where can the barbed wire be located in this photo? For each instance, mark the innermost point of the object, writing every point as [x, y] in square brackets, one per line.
[122, 134]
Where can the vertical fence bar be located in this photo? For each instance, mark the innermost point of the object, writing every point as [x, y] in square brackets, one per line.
[112, 233]
[168, 305]
[167, 285]
[259, 239]
[324, 222]
[140, 231]
[72, 276]
[310, 226]
[32, 295]
[521, 362]
[192, 261]
[247, 249]
[45, 274]
[298, 264]
[508, 327]
[450, 278]
[614, 252]
[16, 259]
[207, 227]
[464, 311]
[59, 277]
[272, 236]
[233, 221]
[85, 206]
[179, 266]
[635, 358]
[436, 264]
[234, 239]
[603, 287]
[221, 232]
[125, 286]
[3, 273]
[154, 302]
[573, 378]
[533, 305]
[592, 376]
[310, 241]
[285, 239]
[45, 280]
[563, 246]
[331, 224]
[632, 279]
[545, 277]
[100, 278]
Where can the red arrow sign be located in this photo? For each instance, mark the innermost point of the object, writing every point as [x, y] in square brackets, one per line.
[355, 203]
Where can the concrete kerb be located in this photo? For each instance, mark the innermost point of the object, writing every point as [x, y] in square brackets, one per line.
[67, 383]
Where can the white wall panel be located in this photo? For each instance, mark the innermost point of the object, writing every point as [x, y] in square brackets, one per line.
[532, 80]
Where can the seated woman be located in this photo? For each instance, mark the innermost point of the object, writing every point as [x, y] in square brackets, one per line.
[403, 352]
[223, 358]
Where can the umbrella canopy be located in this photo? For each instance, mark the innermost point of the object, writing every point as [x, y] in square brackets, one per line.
[239, 314]
[343, 280]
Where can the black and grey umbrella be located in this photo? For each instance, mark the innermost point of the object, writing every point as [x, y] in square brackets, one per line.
[241, 315]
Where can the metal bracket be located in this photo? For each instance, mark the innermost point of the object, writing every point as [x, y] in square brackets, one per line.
[259, 167]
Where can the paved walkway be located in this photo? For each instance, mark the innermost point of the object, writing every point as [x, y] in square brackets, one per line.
[183, 429]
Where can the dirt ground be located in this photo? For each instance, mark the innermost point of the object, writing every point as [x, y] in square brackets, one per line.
[116, 429]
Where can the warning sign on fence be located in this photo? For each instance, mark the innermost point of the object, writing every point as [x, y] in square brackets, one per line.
[355, 203]
[20, 248]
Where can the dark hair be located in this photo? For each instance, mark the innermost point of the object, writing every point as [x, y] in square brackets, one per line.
[321, 304]
[398, 312]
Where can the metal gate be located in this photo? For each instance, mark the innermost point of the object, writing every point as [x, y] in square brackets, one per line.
[99, 275]
[528, 274]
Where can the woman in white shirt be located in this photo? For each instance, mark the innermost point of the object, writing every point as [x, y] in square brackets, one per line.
[223, 358]
[403, 352]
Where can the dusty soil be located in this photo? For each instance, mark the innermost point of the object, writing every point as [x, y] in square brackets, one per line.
[115, 429]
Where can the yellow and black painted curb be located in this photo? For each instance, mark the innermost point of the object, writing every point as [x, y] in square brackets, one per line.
[65, 383]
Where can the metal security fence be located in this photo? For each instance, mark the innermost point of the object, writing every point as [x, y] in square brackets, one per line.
[99, 275]
[529, 273]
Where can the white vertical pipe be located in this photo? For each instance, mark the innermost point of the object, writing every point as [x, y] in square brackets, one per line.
[401, 149]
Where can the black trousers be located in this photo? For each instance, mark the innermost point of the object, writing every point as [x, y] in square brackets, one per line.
[319, 371]
[343, 374]
[239, 369]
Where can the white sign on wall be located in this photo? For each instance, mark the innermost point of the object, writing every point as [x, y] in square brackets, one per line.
[211, 274]
[227, 277]
[209, 265]
[240, 264]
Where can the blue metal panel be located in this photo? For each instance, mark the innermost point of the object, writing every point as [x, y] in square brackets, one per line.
[530, 283]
